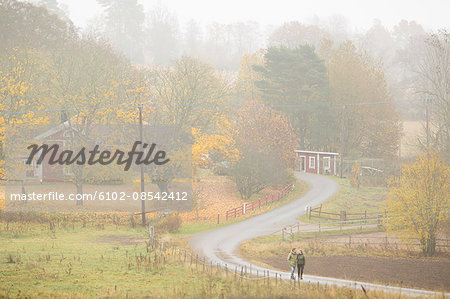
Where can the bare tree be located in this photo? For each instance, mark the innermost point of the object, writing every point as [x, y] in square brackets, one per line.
[434, 71]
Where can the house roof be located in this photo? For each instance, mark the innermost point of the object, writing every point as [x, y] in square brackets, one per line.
[54, 130]
[320, 153]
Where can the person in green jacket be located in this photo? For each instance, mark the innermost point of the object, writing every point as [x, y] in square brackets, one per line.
[292, 259]
[300, 264]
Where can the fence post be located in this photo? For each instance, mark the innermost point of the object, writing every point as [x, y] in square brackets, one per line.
[218, 218]
[243, 208]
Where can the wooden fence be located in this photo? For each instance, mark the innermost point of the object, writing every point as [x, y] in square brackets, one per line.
[240, 274]
[386, 241]
[343, 216]
[292, 232]
[255, 204]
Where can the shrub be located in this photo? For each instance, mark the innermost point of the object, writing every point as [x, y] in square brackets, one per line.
[170, 223]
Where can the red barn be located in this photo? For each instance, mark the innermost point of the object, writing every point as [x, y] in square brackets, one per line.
[316, 162]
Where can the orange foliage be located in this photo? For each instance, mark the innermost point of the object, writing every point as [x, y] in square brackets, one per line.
[267, 128]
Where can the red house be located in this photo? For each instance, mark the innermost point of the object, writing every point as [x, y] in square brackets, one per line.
[316, 162]
[45, 172]
[62, 135]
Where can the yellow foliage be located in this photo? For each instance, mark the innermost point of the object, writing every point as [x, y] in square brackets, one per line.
[221, 142]
[419, 201]
[248, 76]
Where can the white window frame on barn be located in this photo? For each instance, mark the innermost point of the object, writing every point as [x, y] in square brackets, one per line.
[312, 162]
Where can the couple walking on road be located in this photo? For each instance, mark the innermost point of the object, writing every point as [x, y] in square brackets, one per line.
[296, 259]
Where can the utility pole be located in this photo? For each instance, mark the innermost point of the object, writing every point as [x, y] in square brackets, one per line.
[142, 166]
[342, 141]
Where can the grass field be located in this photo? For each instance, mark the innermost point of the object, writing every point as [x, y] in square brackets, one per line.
[352, 200]
[115, 262]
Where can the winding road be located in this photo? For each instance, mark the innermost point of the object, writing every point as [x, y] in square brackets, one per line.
[220, 245]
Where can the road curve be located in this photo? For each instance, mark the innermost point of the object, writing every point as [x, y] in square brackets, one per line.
[220, 245]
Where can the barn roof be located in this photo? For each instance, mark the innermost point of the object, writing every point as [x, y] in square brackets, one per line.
[320, 153]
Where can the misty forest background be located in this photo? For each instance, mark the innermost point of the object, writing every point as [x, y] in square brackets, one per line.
[128, 55]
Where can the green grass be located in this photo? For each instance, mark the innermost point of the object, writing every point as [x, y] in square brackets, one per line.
[87, 262]
[352, 200]
[79, 263]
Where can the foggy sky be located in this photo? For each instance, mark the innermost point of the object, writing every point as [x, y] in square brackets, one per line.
[431, 14]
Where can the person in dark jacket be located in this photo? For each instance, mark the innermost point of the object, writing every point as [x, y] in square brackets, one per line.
[292, 259]
[300, 264]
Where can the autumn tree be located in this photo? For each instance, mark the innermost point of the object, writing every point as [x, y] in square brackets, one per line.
[266, 142]
[22, 24]
[294, 77]
[20, 94]
[219, 143]
[86, 73]
[245, 85]
[186, 96]
[418, 202]
[362, 130]
[187, 93]
[2, 140]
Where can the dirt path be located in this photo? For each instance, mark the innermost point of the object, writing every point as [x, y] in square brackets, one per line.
[417, 273]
